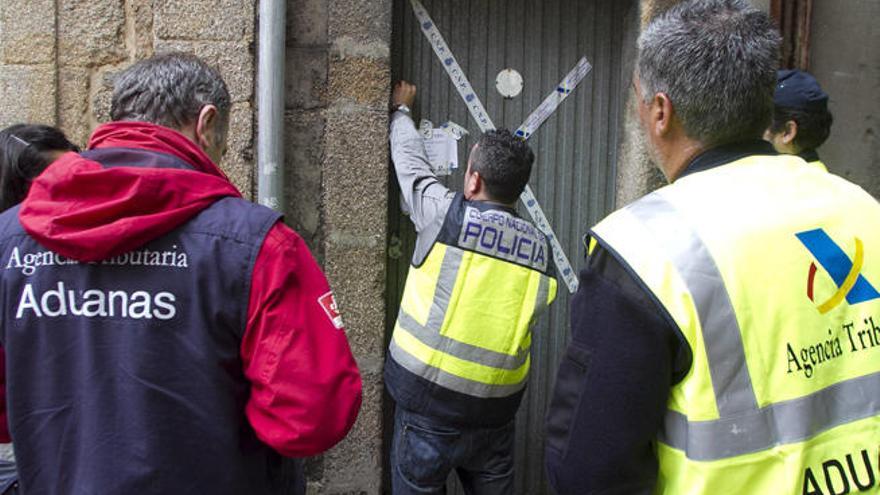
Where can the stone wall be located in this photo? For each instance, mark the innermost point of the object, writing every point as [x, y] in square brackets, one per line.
[338, 78]
[28, 75]
[636, 173]
[58, 59]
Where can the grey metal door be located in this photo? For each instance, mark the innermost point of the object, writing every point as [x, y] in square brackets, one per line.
[576, 149]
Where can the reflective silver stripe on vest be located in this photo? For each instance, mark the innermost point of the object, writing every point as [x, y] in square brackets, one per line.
[429, 334]
[468, 352]
[450, 381]
[742, 428]
[724, 347]
[541, 303]
[781, 423]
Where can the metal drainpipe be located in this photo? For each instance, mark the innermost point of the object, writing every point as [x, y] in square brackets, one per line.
[270, 104]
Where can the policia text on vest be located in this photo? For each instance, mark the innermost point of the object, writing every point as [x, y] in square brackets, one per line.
[497, 234]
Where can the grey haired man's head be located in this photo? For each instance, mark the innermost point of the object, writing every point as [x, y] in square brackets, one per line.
[179, 91]
[716, 61]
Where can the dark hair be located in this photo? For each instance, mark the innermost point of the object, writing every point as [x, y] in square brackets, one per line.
[25, 151]
[716, 60]
[169, 90]
[504, 161]
[813, 126]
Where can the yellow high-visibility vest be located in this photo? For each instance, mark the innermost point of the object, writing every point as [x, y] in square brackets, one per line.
[467, 310]
[771, 270]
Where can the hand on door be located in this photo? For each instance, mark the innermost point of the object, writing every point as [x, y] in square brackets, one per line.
[404, 93]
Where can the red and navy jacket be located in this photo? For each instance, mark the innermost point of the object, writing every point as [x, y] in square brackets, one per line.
[163, 335]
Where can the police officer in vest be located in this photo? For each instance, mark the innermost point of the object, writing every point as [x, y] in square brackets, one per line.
[726, 333]
[162, 334]
[801, 120]
[459, 357]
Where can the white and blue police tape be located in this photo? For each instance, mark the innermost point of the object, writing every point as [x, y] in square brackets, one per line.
[552, 101]
[459, 79]
[484, 122]
[455, 130]
[525, 131]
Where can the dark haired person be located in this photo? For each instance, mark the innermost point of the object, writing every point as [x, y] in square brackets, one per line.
[801, 120]
[25, 151]
[163, 335]
[459, 357]
[715, 334]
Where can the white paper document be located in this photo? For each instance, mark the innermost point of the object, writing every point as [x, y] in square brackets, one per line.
[442, 150]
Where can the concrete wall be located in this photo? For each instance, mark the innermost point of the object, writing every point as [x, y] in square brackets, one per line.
[844, 58]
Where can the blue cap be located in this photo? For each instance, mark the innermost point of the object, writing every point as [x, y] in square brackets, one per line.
[797, 89]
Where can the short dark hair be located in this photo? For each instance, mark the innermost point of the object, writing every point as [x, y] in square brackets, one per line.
[716, 60]
[813, 126]
[169, 90]
[24, 154]
[504, 161]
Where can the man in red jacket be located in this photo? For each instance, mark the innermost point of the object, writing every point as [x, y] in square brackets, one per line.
[164, 335]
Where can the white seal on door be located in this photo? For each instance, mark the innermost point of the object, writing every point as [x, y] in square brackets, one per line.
[509, 83]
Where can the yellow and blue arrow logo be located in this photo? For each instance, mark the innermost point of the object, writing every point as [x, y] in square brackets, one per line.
[845, 272]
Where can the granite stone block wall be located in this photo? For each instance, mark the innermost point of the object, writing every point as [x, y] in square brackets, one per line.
[338, 78]
[58, 59]
[636, 173]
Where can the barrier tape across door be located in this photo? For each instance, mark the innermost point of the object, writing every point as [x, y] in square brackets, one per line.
[531, 124]
[552, 101]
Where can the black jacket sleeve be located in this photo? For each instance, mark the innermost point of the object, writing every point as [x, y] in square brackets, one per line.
[612, 385]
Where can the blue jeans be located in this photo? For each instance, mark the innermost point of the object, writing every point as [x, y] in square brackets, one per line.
[8, 478]
[425, 451]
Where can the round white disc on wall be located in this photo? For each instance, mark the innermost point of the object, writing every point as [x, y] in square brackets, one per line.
[509, 83]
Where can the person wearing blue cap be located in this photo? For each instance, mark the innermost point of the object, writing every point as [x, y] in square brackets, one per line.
[801, 120]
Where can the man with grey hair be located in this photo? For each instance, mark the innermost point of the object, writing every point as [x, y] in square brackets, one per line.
[698, 363]
[162, 334]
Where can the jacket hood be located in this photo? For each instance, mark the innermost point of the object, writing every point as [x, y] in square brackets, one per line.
[90, 211]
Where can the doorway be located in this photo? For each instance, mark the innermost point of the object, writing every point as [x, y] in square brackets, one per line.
[576, 149]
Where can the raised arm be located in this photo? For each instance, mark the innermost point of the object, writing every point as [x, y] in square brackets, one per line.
[425, 196]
